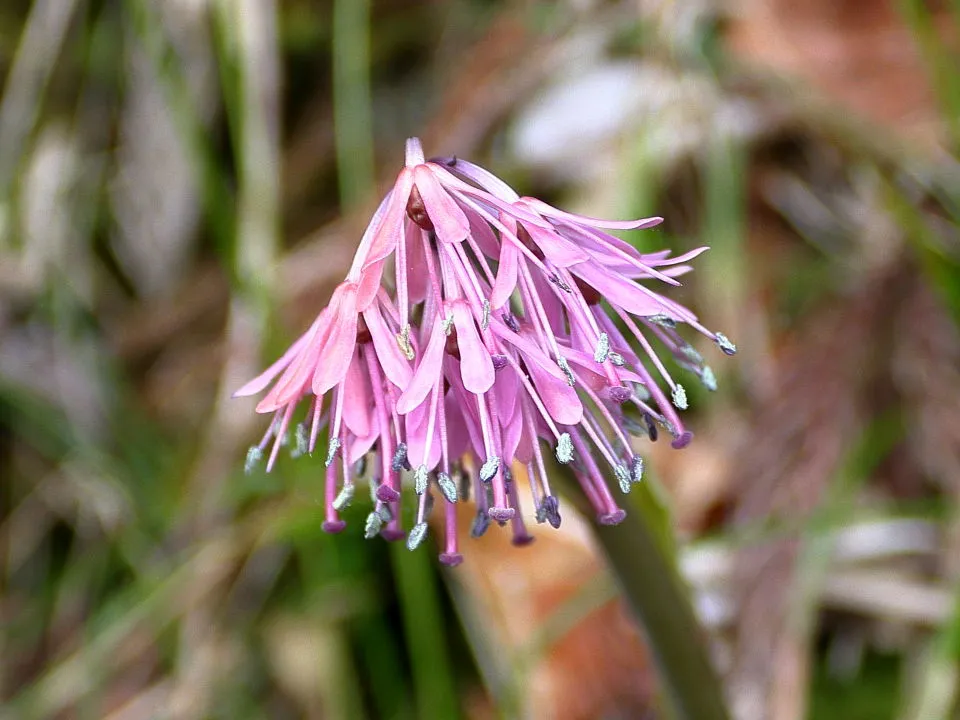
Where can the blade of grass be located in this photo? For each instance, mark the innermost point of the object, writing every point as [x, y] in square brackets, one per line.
[351, 100]
[417, 589]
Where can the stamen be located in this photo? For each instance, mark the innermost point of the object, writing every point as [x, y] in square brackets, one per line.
[373, 526]
[662, 320]
[480, 525]
[254, 456]
[727, 347]
[332, 450]
[403, 340]
[636, 469]
[708, 379]
[680, 396]
[616, 358]
[564, 450]
[400, 461]
[420, 480]
[447, 486]
[565, 366]
[300, 441]
[485, 320]
[623, 477]
[489, 468]
[345, 497]
[603, 348]
[416, 536]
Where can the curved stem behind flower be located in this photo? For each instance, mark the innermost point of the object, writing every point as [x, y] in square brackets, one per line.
[661, 603]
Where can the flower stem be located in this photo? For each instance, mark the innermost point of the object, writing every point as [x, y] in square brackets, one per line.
[659, 600]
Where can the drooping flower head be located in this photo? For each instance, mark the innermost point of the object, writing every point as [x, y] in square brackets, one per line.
[506, 329]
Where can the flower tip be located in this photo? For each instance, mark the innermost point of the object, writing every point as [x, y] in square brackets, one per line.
[612, 518]
[522, 540]
[451, 559]
[501, 514]
[392, 534]
[387, 494]
[333, 526]
[682, 440]
[414, 152]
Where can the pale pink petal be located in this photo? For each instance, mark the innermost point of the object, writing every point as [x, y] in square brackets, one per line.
[263, 379]
[427, 373]
[559, 398]
[506, 280]
[360, 446]
[551, 212]
[418, 280]
[556, 248]
[296, 379]
[417, 422]
[449, 221]
[480, 231]
[357, 401]
[341, 342]
[395, 366]
[618, 290]
[475, 362]
[389, 231]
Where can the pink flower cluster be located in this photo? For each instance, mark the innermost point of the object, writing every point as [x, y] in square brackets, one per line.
[507, 327]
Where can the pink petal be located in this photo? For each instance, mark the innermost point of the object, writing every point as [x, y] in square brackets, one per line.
[506, 280]
[551, 212]
[369, 285]
[618, 290]
[296, 378]
[556, 249]
[357, 401]
[449, 221]
[458, 435]
[417, 423]
[389, 231]
[427, 373]
[263, 379]
[341, 342]
[560, 399]
[481, 232]
[418, 281]
[475, 363]
[395, 365]
[360, 446]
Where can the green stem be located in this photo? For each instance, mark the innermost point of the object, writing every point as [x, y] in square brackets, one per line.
[660, 601]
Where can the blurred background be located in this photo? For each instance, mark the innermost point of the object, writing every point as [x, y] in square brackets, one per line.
[182, 184]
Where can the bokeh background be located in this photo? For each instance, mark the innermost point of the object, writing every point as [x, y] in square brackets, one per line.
[182, 184]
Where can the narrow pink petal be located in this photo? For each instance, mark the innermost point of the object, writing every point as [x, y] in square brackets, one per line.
[418, 280]
[529, 348]
[556, 248]
[483, 234]
[427, 372]
[388, 234]
[665, 259]
[296, 378]
[370, 278]
[395, 366]
[341, 342]
[506, 280]
[618, 290]
[417, 422]
[458, 435]
[263, 379]
[463, 404]
[357, 401]
[449, 221]
[360, 446]
[507, 391]
[560, 399]
[475, 363]
[552, 212]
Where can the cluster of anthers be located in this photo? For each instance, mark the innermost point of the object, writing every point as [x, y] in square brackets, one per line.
[510, 328]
